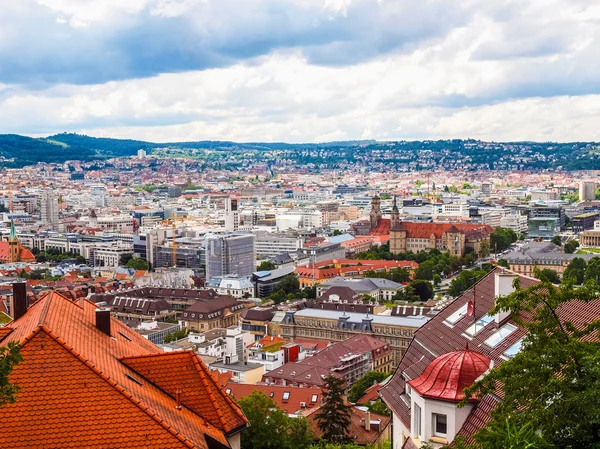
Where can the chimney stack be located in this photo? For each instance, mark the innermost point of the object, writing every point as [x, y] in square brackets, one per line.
[503, 283]
[368, 421]
[19, 300]
[103, 320]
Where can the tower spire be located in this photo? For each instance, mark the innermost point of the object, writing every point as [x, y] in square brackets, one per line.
[13, 231]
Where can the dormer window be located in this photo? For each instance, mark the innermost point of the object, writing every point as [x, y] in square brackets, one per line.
[440, 425]
[479, 325]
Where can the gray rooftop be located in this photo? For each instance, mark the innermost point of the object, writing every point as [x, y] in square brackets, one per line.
[362, 285]
[407, 321]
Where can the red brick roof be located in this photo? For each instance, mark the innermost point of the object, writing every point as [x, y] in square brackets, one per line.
[425, 230]
[293, 403]
[83, 388]
[356, 430]
[382, 228]
[436, 338]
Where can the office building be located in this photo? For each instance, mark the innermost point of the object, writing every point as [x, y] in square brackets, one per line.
[230, 254]
[587, 191]
[232, 215]
[49, 208]
[174, 191]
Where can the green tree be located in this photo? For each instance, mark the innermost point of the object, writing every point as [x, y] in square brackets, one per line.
[333, 418]
[557, 240]
[290, 284]
[484, 248]
[337, 232]
[501, 239]
[270, 427]
[571, 246]
[423, 289]
[552, 384]
[138, 263]
[125, 258]
[266, 265]
[465, 280]
[575, 271]
[10, 356]
[378, 407]
[546, 274]
[437, 279]
[592, 271]
[361, 385]
[503, 263]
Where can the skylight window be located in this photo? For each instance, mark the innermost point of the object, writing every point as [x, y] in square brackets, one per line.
[313, 398]
[286, 395]
[479, 325]
[456, 316]
[514, 349]
[497, 337]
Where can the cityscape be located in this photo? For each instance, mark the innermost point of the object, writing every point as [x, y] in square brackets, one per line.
[299, 224]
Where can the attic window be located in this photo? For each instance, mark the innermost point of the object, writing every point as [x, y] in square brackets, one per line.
[286, 395]
[313, 398]
[498, 337]
[479, 325]
[514, 349]
[124, 336]
[137, 381]
[456, 316]
[228, 391]
[271, 394]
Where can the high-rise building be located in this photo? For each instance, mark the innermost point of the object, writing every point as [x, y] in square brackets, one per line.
[141, 154]
[587, 191]
[230, 254]
[174, 191]
[49, 207]
[232, 215]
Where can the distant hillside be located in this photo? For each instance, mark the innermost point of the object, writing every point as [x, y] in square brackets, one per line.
[17, 151]
[105, 147]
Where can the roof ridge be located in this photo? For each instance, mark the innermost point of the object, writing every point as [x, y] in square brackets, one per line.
[138, 403]
[206, 379]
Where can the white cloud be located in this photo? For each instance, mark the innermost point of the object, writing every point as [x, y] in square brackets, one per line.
[508, 71]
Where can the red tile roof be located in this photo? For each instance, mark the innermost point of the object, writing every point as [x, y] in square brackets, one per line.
[356, 430]
[24, 254]
[425, 230]
[76, 390]
[310, 397]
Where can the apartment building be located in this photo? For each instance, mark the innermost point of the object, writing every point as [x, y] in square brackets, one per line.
[335, 325]
[270, 244]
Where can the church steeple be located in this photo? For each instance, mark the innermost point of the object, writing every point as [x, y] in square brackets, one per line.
[395, 212]
[13, 244]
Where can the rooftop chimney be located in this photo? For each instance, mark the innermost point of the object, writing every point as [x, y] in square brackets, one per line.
[503, 285]
[19, 300]
[368, 421]
[103, 320]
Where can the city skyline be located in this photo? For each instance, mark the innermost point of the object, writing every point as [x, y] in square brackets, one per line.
[305, 71]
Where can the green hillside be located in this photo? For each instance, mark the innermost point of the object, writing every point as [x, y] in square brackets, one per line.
[17, 151]
[105, 147]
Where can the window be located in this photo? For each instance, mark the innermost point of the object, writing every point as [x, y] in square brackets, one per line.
[456, 316]
[440, 425]
[417, 416]
[286, 395]
[314, 398]
[514, 349]
[408, 389]
[478, 326]
[497, 337]
[271, 394]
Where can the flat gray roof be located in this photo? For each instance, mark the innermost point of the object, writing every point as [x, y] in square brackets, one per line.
[407, 321]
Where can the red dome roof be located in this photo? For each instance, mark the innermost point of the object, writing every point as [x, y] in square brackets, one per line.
[447, 376]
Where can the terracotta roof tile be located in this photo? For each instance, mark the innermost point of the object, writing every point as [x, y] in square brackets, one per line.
[76, 391]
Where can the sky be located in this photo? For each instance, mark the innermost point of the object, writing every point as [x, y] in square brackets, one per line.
[301, 70]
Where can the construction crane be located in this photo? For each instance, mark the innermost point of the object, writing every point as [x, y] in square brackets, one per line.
[10, 195]
[174, 244]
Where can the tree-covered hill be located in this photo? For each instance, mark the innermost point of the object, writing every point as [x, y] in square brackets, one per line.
[17, 151]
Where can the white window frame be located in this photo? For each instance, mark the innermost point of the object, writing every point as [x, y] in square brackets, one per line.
[434, 421]
[418, 420]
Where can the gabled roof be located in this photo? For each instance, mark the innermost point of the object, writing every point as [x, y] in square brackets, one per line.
[297, 398]
[87, 396]
[420, 230]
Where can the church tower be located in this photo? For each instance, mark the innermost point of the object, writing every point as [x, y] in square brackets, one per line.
[13, 244]
[375, 211]
[395, 213]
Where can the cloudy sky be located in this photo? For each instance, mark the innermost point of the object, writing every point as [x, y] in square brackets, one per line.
[301, 70]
